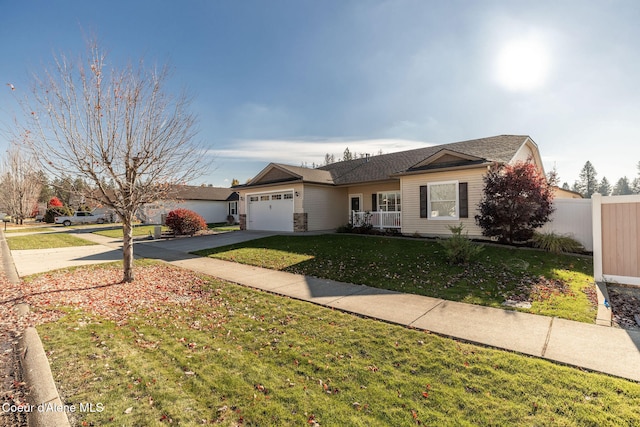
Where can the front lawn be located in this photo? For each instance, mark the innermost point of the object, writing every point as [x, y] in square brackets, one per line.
[45, 241]
[556, 284]
[138, 231]
[178, 348]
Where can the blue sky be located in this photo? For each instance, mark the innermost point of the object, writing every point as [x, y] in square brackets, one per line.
[288, 81]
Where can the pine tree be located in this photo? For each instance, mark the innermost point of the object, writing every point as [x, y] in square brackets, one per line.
[635, 186]
[347, 155]
[604, 188]
[622, 187]
[587, 183]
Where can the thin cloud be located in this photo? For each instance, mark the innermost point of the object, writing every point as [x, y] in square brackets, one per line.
[297, 151]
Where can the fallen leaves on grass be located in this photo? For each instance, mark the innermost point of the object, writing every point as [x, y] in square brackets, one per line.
[540, 289]
[13, 390]
[101, 291]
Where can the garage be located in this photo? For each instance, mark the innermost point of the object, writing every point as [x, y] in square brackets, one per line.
[270, 211]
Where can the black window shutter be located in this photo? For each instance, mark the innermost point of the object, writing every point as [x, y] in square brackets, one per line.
[463, 197]
[374, 202]
[423, 201]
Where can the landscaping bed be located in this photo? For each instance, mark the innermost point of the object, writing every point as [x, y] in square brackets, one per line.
[555, 285]
[179, 348]
[625, 306]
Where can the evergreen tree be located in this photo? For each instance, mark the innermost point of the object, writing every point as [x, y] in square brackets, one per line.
[622, 187]
[235, 182]
[635, 186]
[604, 188]
[587, 183]
[347, 155]
[329, 158]
[565, 186]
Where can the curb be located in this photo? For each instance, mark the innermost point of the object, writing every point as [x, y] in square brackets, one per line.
[47, 409]
[604, 316]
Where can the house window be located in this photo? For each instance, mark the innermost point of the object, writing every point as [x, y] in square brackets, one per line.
[253, 198]
[264, 198]
[442, 201]
[389, 201]
[276, 197]
[288, 195]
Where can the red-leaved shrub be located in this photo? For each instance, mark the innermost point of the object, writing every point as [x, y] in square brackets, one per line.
[184, 221]
[54, 202]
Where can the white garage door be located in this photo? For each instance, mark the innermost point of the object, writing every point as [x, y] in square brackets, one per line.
[270, 211]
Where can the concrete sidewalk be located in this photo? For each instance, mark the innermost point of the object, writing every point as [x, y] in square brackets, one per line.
[605, 349]
[600, 348]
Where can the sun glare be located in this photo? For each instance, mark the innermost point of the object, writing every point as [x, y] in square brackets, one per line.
[522, 65]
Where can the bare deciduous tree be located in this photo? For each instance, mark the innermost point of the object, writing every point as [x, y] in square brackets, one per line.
[20, 183]
[115, 125]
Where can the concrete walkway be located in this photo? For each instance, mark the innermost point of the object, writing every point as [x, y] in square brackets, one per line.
[600, 348]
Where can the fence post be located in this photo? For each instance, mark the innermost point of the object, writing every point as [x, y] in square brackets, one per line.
[596, 206]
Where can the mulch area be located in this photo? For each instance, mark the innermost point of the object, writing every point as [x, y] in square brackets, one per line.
[625, 305]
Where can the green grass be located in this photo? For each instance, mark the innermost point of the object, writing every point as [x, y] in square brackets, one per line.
[421, 267]
[138, 230]
[46, 241]
[240, 356]
[28, 229]
[222, 226]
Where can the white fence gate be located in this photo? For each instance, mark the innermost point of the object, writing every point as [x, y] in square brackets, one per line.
[574, 217]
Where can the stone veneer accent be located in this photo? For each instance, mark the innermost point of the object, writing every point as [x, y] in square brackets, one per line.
[300, 222]
[243, 221]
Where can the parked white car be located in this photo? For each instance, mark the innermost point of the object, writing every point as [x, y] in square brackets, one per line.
[80, 218]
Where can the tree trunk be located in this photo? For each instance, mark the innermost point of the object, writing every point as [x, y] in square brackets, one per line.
[127, 250]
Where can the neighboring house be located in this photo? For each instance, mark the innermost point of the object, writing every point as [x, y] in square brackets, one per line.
[421, 191]
[214, 204]
[561, 193]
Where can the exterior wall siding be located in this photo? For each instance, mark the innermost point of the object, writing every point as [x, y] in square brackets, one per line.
[211, 211]
[410, 188]
[326, 207]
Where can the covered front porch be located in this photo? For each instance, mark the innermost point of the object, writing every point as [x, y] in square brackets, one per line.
[381, 220]
[378, 205]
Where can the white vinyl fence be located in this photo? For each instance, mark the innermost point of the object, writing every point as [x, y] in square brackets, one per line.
[574, 217]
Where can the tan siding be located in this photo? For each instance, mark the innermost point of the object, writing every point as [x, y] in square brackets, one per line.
[326, 207]
[274, 175]
[411, 221]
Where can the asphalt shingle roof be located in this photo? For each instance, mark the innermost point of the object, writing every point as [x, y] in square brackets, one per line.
[499, 149]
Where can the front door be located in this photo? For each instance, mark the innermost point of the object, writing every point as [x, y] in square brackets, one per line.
[355, 203]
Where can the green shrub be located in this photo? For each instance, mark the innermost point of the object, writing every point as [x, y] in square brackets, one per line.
[346, 228]
[556, 243]
[458, 248]
[51, 213]
[184, 221]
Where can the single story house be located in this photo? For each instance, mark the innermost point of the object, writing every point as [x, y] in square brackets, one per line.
[214, 204]
[420, 191]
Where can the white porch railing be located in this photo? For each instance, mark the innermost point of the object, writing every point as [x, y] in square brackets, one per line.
[376, 219]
